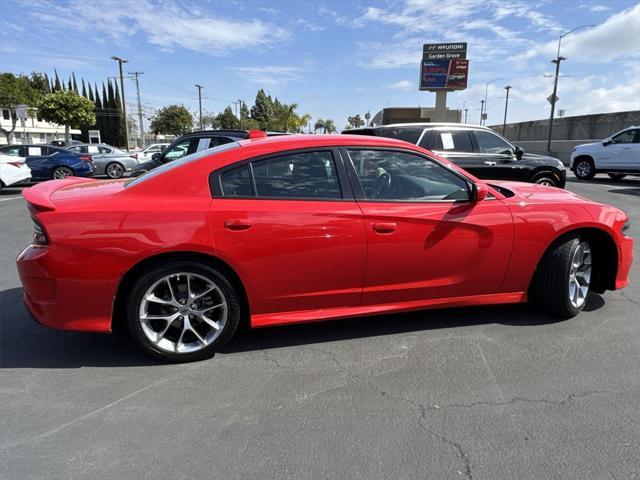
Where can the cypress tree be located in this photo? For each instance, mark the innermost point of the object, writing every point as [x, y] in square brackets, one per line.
[69, 85]
[57, 86]
[84, 89]
[75, 84]
[119, 119]
[90, 96]
[46, 79]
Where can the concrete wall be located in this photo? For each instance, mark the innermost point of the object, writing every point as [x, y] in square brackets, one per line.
[567, 132]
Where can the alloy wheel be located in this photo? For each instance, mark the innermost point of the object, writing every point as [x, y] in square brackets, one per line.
[62, 172]
[583, 169]
[115, 170]
[183, 312]
[546, 181]
[580, 275]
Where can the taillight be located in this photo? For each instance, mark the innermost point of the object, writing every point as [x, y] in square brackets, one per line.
[39, 234]
[86, 158]
[16, 164]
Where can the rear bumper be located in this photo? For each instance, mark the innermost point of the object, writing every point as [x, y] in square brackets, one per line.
[59, 301]
[625, 260]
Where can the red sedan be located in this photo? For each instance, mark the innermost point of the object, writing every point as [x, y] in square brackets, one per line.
[303, 228]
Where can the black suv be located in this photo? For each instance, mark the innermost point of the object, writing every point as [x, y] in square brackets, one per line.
[479, 150]
[193, 142]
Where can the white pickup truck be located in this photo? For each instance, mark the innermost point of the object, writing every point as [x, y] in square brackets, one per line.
[617, 155]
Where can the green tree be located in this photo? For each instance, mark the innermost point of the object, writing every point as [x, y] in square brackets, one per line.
[56, 84]
[355, 122]
[172, 120]
[262, 110]
[319, 125]
[16, 90]
[227, 119]
[244, 111]
[67, 108]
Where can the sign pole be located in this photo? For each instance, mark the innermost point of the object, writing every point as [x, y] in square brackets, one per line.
[441, 106]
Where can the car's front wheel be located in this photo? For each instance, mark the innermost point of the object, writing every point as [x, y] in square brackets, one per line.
[563, 278]
[584, 168]
[114, 170]
[546, 178]
[182, 311]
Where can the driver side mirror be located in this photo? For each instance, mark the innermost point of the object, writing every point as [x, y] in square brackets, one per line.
[519, 152]
[156, 157]
[606, 141]
[479, 192]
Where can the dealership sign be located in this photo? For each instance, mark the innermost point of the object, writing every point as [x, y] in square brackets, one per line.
[444, 66]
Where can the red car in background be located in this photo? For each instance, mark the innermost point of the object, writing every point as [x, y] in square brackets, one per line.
[304, 228]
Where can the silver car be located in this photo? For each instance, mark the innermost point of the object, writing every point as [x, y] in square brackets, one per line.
[108, 160]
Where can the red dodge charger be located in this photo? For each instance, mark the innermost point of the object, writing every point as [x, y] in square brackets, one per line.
[302, 228]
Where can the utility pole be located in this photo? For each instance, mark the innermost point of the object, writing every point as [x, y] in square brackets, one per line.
[557, 61]
[481, 110]
[140, 125]
[240, 115]
[483, 115]
[506, 105]
[466, 110]
[124, 103]
[200, 87]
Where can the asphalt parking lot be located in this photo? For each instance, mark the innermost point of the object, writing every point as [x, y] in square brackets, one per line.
[482, 393]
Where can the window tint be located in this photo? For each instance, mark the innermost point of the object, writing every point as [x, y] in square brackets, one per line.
[407, 134]
[492, 143]
[300, 175]
[625, 137]
[237, 182]
[180, 149]
[453, 140]
[14, 151]
[393, 175]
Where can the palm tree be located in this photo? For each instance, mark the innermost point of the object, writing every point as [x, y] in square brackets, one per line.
[329, 126]
[320, 125]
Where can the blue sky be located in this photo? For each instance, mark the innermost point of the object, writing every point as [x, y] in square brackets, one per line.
[335, 58]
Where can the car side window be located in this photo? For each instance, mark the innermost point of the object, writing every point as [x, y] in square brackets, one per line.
[237, 182]
[310, 175]
[180, 149]
[14, 151]
[388, 175]
[451, 140]
[624, 137]
[491, 143]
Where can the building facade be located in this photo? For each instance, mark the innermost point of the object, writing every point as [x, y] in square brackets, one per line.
[37, 130]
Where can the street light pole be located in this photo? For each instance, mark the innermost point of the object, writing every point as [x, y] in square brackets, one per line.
[557, 61]
[506, 105]
[240, 116]
[464, 107]
[124, 103]
[481, 110]
[200, 87]
[486, 92]
[466, 110]
[140, 124]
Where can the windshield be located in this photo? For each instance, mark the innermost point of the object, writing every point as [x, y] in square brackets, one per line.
[181, 161]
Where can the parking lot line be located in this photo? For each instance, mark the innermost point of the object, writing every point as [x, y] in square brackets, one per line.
[12, 198]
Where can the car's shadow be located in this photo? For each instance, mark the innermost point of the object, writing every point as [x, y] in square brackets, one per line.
[26, 344]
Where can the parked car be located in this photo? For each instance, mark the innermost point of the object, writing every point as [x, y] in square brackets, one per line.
[13, 170]
[292, 229]
[617, 156]
[477, 149]
[110, 161]
[147, 152]
[47, 162]
[62, 143]
[201, 140]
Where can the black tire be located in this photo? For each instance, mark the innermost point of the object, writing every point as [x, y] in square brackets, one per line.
[584, 168]
[61, 172]
[545, 178]
[617, 176]
[147, 280]
[549, 290]
[114, 170]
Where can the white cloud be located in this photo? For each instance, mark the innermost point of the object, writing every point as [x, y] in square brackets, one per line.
[404, 85]
[268, 74]
[168, 24]
[617, 37]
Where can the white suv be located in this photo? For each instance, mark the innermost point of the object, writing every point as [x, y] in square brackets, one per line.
[618, 156]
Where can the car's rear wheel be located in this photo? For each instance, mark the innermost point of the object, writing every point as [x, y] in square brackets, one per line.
[182, 311]
[545, 178]
[61, 172]
[617, 176]
[584, 168]
[562, 281]
[114, 170]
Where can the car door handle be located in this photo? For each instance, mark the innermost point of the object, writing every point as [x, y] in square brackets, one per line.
[384, 228]
[237, 224]
[489, 163]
